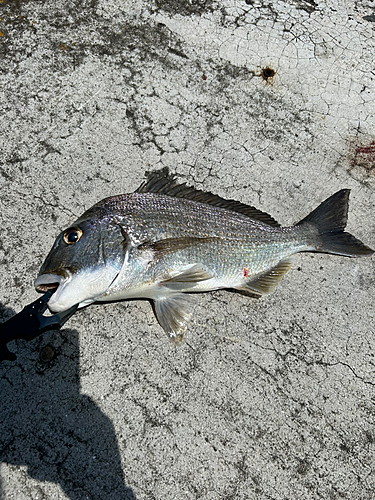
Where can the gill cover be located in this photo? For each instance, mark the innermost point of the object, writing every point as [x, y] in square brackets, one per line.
[83, 262]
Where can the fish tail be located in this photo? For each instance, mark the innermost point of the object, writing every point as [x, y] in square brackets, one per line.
[330, 218]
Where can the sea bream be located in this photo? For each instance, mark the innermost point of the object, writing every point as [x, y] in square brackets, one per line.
[166, 241]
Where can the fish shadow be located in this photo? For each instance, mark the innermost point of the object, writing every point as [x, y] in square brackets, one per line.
[48, 425]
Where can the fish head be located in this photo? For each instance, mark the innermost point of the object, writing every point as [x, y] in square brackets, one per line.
[83, 263]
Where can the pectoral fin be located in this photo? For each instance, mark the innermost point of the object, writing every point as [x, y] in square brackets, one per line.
[174, 313]
[267, 282]
[187, 278]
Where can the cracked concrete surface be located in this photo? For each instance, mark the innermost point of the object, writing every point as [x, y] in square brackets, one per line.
[265, 399]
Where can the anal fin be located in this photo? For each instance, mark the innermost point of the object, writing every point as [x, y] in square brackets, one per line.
[267, 282]
[174, 313]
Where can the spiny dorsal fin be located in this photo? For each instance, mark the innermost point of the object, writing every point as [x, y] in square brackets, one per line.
[173, 313]
[267, 282]
[169, 187]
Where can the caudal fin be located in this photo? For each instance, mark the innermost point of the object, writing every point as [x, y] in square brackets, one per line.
[330, 218]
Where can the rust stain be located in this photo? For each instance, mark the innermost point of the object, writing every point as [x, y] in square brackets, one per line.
[267, 74]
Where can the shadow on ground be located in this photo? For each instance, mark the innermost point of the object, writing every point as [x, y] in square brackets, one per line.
[46, 424]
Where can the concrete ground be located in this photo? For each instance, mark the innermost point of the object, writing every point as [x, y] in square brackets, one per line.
[269, 103]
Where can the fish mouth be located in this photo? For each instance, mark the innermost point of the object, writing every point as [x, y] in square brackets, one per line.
[70, 288]
[47, 287]
[48, 283]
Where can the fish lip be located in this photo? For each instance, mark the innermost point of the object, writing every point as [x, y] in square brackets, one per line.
[50, 282]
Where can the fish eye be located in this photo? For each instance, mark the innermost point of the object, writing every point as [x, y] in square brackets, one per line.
[72, 235]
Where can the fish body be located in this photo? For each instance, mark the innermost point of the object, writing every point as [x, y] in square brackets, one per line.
[166, 240]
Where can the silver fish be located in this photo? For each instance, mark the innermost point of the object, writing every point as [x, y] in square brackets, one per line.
[167, 239]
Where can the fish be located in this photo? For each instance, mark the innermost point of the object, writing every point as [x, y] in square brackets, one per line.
[167, 241]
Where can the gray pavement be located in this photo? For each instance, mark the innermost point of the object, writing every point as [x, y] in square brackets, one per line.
[265, 399]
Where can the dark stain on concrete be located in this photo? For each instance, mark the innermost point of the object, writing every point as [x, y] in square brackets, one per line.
[370, 18]
[193, 7]
[228, 72]
[307, 5]
[78, 31]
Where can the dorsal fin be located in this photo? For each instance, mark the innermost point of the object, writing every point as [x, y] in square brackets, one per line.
[169, 187]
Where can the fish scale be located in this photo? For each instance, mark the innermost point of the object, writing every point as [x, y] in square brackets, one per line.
[168, 239]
